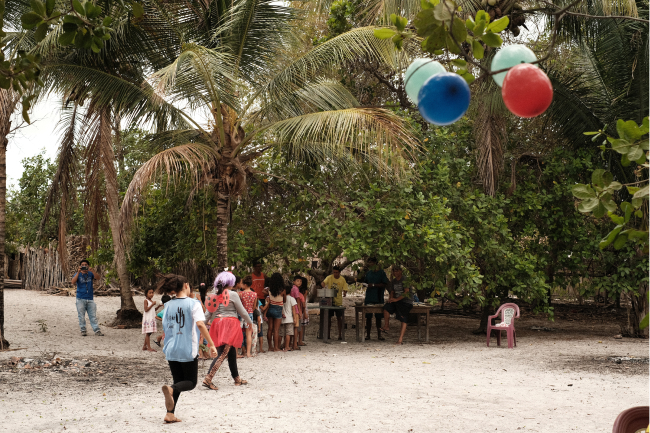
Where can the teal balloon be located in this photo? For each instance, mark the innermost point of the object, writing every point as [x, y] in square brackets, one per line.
[510, 56]
[417, 73]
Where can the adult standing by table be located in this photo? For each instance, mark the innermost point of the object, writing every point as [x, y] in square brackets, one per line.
[400, 301]
[338, 283]
[85, 304]
[377, 281]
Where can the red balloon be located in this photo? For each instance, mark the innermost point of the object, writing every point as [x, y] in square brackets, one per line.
[527, 91]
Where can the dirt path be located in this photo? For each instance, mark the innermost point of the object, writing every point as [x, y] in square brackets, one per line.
[557, 381]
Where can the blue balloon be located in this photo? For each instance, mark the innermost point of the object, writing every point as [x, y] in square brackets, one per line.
[444, 98]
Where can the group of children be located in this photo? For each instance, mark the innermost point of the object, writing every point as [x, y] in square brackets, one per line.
[284, 308]
[286, 311]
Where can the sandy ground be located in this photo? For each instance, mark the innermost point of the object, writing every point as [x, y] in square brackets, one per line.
[558, 381]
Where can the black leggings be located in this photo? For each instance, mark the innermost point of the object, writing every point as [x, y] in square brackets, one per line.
[185, 377]
[232, 362]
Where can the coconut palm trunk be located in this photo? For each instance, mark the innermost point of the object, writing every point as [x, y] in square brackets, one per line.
[128, 314]
[8, 102]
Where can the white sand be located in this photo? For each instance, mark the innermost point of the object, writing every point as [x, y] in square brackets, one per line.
[453, 384]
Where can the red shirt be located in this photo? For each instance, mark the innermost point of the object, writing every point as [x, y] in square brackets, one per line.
[258, 285]
[248, 300]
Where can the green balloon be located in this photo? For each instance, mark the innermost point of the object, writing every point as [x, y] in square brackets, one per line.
[417, 73]
[510, 56]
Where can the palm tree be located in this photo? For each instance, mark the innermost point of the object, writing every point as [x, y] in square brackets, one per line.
[111, 85]
[257, 96]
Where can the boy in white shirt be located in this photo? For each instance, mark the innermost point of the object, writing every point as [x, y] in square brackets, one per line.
[286, 329]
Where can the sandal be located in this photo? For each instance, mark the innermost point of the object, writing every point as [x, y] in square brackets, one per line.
[240, 381]
[209, 385]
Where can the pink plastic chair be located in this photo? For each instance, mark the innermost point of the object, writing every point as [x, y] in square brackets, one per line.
[508, 313]
[632, 420]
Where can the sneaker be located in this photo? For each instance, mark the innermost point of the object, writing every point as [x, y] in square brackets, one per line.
[99, 334]
[84, 333]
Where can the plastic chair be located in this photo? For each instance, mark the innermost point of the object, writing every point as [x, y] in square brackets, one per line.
[508, 313]
[632, 420]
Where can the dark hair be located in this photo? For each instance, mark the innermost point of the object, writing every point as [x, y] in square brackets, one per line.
[165, 299]
[203, 291]
[276, 284]
[303, 287]
[171, 283]
[84, 261]
[256, 262]
[336, 268]
[237, 280]
[247, 281]
[147, 290]
[296, 277]
[372, 259]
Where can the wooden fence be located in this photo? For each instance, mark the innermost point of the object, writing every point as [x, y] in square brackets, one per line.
[42, 268]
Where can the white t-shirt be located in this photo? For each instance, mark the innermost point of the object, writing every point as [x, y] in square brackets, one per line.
[197, 316]
[288, 309]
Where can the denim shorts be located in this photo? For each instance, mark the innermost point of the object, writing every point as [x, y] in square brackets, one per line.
[274, 312]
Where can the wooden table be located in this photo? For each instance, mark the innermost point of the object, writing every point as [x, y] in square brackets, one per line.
[325, 322]
[419, 309]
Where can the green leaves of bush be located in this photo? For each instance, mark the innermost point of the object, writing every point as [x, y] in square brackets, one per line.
[443, 30]
[597, 198]
[84, 28]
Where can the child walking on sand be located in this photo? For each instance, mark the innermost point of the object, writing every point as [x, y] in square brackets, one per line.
[149, 319]
[182, 318]
[297, 311]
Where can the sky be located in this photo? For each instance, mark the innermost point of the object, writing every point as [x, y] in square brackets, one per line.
[30, 140]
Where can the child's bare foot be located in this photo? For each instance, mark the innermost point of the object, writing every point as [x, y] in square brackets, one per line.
[151, 350]
[240, 356]
[261, 351]
[398, 343]
[171, 418]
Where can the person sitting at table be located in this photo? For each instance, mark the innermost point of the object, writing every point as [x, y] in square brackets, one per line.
[338, 283]
[377, 281]
[400, 302]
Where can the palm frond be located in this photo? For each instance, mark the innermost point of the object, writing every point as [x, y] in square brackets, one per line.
[323, 95]
[254, 31]
[201, 76]
[347, 47]
[378, 136]
[192, 161]
[81, 83]
[490, 133]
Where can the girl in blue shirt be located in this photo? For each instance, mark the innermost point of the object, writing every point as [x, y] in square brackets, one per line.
[182, 318]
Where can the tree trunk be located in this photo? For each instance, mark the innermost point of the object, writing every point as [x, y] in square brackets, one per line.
[128, 314]
[8, 102]
[482, 327]
[4, 344]
[223, 219]
[636, 312]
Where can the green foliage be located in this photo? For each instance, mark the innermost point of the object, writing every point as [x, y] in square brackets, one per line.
[344, 15]
[442, 31]
[598, 197]
[26, 204]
